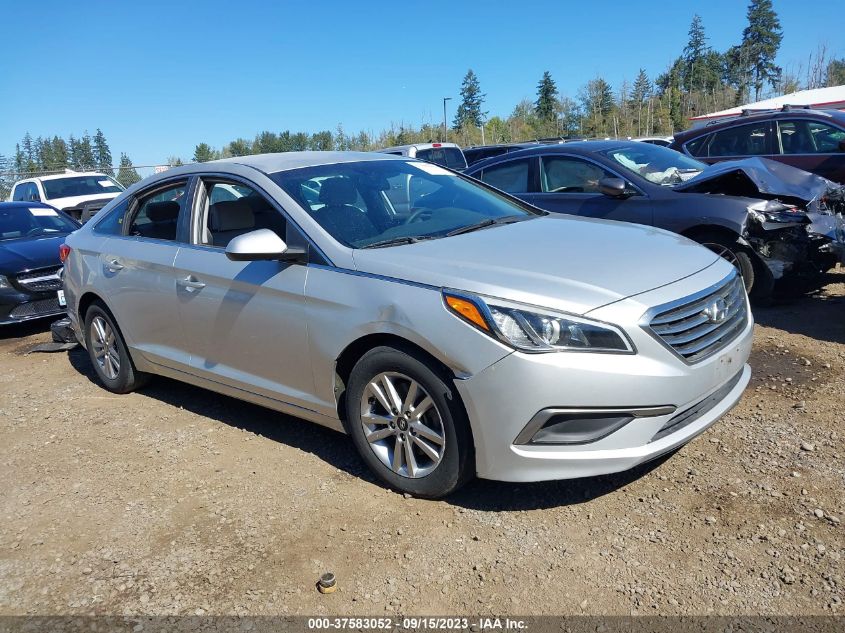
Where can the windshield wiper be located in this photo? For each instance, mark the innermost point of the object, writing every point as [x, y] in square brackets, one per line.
[508, 219]
[395, 241]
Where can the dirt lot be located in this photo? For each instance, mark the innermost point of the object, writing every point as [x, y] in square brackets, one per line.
[180, 501]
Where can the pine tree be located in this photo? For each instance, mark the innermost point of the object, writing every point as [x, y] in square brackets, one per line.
[639, 94]
[547, 93]
[86, 153]
[126, 174]
[693, 55]
[203, 153]
[102, 153]
[469, 111]
[760, 43]
[60, 153]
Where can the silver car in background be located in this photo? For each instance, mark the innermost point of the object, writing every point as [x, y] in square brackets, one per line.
[466, 333]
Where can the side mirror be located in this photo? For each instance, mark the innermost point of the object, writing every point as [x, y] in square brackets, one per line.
[262, 244]
[613, 187]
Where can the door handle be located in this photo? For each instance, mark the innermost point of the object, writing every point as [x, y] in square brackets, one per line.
[190, 283]
[114, 265]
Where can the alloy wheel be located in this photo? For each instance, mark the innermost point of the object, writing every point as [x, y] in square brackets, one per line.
[105, 347]
[402, 425]
[725, 253]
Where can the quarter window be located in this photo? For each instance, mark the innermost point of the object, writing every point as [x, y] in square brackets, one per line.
[158, 213]
[232, 209]
[563, 174]
[512, 176]
[742, 140]
[697, 146]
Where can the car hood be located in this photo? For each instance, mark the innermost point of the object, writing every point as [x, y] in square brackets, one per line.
[29, 253]
[759, 177]
[561, 262]
[75, 201]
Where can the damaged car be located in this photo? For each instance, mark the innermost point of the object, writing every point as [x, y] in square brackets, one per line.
[772, 221]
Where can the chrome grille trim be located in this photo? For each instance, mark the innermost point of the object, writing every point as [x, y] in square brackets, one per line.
[42, 280]
[683, 327]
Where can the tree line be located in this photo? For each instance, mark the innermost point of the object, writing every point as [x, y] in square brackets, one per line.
[699, 80]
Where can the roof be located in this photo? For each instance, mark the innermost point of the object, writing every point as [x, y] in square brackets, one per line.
[576, 147]
[19, 203]
[832, 98]
[270, 163]
[66, 174]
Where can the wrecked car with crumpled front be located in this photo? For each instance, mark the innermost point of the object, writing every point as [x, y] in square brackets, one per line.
[772, 221]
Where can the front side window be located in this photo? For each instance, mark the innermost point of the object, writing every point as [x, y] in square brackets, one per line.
[809, 137]
[698, 146]
[17, 222]
[355, 201]
[742, 140]
[80, 186]
[232, 209]
[158, 213]
[656, 164]
[512, 176]
[564, 174]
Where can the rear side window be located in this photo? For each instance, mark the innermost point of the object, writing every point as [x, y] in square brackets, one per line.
[26, 192]
[698, 146]
[742, 140]
[450, 157]
[112, 223]
[158, 213]
[511, 176]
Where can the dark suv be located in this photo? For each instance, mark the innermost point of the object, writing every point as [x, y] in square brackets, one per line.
[812, 140]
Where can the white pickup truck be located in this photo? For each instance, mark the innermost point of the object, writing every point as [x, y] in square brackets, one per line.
[79, 194]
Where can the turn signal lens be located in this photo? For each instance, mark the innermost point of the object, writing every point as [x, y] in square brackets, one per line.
[64, 251]
[467, 310]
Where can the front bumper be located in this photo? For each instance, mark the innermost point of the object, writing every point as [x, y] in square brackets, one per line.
[18, 307]
[502, 399]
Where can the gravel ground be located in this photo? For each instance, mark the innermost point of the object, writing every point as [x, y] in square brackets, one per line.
[176, 500]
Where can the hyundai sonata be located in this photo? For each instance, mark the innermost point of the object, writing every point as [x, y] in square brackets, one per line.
[451, 330]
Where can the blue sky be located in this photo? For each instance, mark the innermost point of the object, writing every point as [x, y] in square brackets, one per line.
[160, 77]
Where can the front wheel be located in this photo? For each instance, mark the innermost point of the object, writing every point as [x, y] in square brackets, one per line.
[408, 424]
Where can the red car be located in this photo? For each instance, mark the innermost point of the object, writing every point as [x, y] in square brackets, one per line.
[812, 140]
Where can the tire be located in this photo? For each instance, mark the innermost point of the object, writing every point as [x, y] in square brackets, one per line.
[733, 252]
[434, 467]
[108, 353]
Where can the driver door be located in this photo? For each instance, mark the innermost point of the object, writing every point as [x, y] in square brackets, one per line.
[570, 184]
[244, 321]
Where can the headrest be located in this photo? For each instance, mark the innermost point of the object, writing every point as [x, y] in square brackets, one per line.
[231, 215]
[338, 191]
[166, 211]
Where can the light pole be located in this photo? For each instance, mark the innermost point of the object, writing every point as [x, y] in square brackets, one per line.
[445, 133]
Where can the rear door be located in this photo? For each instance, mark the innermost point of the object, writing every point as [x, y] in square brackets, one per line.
[244, 321]
[138, 277]
[812, 146]
[570, 184]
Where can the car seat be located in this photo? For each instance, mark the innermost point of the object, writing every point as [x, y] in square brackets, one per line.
[344, 221]
[228, 219]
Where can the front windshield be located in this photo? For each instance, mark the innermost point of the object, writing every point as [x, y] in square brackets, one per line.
[656, 164]
[372, 203]
[18, 222]
[79, 186]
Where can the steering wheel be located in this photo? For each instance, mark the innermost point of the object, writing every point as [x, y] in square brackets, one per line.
[416, 216]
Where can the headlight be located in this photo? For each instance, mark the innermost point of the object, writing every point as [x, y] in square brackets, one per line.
[537, 330]
[4, 283]
[775, 212]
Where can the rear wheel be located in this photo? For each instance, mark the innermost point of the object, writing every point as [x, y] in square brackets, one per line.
[108, 352]
[408, 424]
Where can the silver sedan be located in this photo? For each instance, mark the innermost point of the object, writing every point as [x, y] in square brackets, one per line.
[449, 329]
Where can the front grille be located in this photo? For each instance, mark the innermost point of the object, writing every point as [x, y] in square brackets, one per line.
[44, 280]
[34, 308]
[700, 325]
[688, 416]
